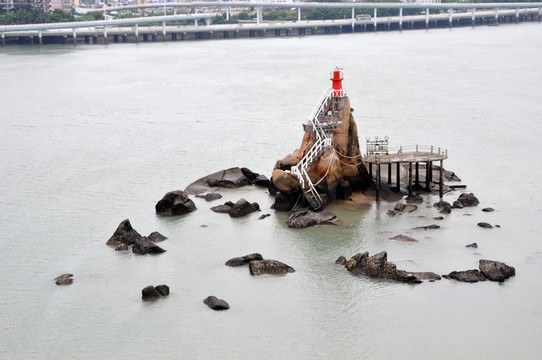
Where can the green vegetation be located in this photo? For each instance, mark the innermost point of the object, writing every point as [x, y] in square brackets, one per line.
[32, 15]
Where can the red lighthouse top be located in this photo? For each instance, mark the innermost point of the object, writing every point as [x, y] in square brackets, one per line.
[337, 79]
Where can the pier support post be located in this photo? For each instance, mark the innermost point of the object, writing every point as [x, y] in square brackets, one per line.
[40, 37]
[164, 29]
[440, 183]
[409, 179]
[417, 174]
[496, 15]
[389, 173]
[377, 182]
[430, 171]
[74, 36]
[517, 15]
[374, 18]
[400, 18]
[371, 170]
[398, 177]
[3, 39]
[473, 19]
[353, 18]
[427, 176]
[105, 35]
[137, 33]
[451, 20]
[427, 18]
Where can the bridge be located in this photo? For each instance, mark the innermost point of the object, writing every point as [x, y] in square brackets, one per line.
[128, 30]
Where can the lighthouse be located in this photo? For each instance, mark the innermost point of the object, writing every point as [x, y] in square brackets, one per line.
[337, 81]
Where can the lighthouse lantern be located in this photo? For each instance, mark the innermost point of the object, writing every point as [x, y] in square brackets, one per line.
[337, 81]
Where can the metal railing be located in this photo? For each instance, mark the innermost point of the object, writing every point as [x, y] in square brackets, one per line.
[410, 153]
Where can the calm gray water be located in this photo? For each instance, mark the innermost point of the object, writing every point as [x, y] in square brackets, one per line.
[92, 135]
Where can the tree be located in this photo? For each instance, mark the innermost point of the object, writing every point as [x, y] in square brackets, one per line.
[60, 16]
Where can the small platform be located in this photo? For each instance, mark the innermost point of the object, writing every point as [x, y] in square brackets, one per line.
[407, 155]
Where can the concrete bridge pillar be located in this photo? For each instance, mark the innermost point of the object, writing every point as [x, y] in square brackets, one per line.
[259, 15]
[539, 14]
[105, 35]
[427, 18]
[400, 18]
[374, 18]
[517, 15]
[164, 29]
[40, 37]
[74, 36]
[496, 15]
[3, 39]
[451, 17]
[228, 13]
[473, 19]
[137, 33]
[353, 18]
[298, 14]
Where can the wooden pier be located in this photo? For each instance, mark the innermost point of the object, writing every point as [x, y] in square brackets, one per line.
[407, 155]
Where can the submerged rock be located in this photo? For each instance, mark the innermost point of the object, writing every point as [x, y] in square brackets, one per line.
[215, 303]
[175, 203]
[403, 238]
[341, 261]
[427, 227]
[210, 196]
[443, 206]
[269, 267]
[473, 245]
[242, 207]
[145, 246]
[243, 260]
[124, 234]
[495, 270]
[155, 236]
[468, 199]
[488, 209]
[284, 202]
[230, 178]
[303, 218]
[64, 279]
[261, 180]
[470, 276]
[485, 225]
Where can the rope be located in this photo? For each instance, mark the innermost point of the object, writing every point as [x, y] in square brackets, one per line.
[348, 157]
[327, 171]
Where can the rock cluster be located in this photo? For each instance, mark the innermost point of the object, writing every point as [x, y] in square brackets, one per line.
[260, 266]
[126, 236]
[241, 208]
[488, 270]
[175, 203]
[378, 266]
[402, 208]
[151, 293]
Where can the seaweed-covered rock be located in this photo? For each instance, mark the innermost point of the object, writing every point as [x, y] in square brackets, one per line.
[175, 203]
[269, 267]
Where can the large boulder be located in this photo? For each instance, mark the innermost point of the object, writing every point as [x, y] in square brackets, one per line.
[468, 199]
[284, 202]
[242, 207]
[496, 271]
[230, 178]
[378, 266]
[242, 260]
[269, 267]
[145, 246]
[175, 203]
[215, 303]
[284, 182]
[124, 234]
[303, 218]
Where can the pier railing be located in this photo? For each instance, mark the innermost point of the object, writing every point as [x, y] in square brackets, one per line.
[410, 153]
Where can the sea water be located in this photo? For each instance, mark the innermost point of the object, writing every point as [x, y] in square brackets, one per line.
[93, 135]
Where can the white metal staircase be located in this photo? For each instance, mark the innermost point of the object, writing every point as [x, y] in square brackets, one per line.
[323, 141]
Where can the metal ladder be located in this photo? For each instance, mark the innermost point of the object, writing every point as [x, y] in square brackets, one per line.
[323, 141]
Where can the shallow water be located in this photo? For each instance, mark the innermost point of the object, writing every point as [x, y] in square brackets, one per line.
[92, 135]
